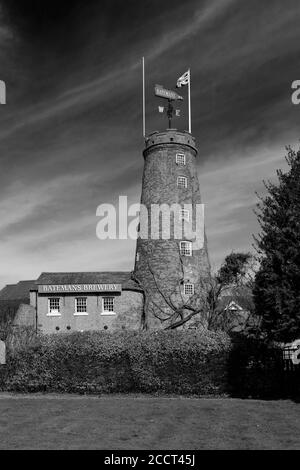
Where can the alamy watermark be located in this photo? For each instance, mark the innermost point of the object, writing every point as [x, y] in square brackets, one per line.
[295, 97]
[157, 221]
[2, 92]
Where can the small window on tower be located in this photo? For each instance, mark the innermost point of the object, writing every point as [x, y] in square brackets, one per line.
[186, 248]
[180, 159]
[182, 182]
[108, 305]
[188, 288]
[184, 214]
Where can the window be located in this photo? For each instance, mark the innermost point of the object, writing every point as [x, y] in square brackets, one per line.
[186, 248]
[108, 305]
[182, 182]
[188, 288]
[54, 306]
[184, 214]
[80, 305]
[180, 158]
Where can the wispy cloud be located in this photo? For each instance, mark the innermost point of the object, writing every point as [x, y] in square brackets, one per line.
[228, 190]
[118, 79]
[70, 136]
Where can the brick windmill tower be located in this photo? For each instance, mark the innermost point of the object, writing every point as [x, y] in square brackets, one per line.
[171, 262]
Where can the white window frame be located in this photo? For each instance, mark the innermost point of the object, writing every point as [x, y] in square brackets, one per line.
[53, 312]
[180, 159]
[188, 285]
[108, 312]
[78, 313]
[184, 214]
[182, 182]
[188, 250]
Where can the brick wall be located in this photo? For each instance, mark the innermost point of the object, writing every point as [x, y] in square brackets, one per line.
[128, 313]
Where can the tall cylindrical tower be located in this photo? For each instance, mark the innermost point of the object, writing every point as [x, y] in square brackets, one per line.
[171, 262]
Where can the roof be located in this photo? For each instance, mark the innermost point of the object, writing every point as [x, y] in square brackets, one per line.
[19, 291]
[239, 300]
[233, 306]
[106, 277]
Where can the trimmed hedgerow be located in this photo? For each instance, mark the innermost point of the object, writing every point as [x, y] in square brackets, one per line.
[187, 362]
[180, 362]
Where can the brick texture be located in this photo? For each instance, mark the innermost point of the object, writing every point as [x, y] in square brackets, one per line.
[128, 308]
[158, 265]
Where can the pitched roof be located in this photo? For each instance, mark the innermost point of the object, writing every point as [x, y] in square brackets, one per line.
[18, 291]
[239, 300]
[106, 277]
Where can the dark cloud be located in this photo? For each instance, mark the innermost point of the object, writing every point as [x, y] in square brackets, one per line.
[34, 17]
[45, 18]
[70, 135]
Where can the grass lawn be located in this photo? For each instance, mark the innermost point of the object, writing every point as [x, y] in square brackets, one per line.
[129, 422]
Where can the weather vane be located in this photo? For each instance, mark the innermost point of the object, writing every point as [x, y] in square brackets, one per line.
[171, 96]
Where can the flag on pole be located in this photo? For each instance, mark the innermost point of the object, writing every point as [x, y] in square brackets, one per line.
[183, 80]
[144, 101]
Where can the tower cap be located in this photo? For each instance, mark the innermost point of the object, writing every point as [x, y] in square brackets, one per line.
[170, 136]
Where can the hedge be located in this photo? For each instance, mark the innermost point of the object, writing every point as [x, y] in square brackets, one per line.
[256, 370]
[202, 363]
[182, 362]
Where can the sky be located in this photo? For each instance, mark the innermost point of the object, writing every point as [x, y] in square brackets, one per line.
[71, 131]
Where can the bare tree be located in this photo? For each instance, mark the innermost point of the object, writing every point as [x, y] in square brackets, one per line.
[173, 308]
[234, 279]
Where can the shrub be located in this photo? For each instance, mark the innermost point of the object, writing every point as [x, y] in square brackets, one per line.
[255, 369]
[184, 362]
[20, 337]
[180, 362]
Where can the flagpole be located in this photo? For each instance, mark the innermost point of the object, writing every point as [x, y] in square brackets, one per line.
[144, 110]
[189, 98]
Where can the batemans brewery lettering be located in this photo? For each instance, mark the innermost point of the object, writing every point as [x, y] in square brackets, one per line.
[79, 288]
